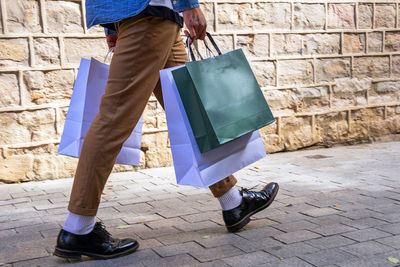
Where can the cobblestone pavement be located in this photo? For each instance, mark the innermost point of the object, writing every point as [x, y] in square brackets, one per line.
[336, 207]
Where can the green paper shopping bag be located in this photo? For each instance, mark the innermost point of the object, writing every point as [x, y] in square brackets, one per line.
[222, 98]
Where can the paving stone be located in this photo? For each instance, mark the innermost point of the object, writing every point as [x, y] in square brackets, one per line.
[165, 223]
[359, 214]
[10, 255]
[392, 217]
[216, 263]
[366, 234]
[215, 253]
[176, 249]
[14, 201]
[251, 259]
[333, 229]
[290, 262]
[393, 241]
[366, 248]
[365, 223]
[330, 242]
[291, 250]
[390, 228]
[134, 218]
[178, 260]
[318, 212]
[327, 257]
[259, 233]
[257, 244]
[299, 225]
[296, 236]
[216, 241]
[20, 223]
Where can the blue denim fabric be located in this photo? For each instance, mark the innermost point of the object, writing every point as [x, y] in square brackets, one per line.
[109, 11]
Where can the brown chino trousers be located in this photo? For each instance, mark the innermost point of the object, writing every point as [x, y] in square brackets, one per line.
[145, 45]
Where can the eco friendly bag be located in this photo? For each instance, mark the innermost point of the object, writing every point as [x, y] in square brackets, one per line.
[221, 97]
[89, 87]
[191, 166]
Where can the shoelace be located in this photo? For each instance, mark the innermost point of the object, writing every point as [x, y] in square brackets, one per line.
[101, 231]
[253, 194]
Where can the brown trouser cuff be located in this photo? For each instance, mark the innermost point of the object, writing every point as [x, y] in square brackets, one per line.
[223, 186]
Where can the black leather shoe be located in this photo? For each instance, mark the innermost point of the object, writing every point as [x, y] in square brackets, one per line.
[97, 244]
[252, 203]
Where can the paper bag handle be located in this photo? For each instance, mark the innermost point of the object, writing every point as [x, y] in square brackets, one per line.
[190, 50]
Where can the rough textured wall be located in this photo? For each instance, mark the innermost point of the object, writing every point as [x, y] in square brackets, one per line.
[330, 71]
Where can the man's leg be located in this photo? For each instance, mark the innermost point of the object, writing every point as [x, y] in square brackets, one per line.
[143, 47]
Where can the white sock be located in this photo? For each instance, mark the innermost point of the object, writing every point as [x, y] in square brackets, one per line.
[79, 224]
[230, 199]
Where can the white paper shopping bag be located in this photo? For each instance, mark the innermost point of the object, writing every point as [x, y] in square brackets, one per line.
[89, 87]
[191, 166]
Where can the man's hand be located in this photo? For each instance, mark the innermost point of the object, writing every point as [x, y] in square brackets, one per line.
[111, 40]
[196, 23]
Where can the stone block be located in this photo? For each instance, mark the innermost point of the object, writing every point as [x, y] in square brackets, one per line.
[396, 66]
[332, 127]
[157, 151]
[271, 16]
[329, 69]
[64, 17]
[14, 52]
[17, 168]
[96, 30]
[321, 44]
[351, 92]
[23, 16]
[296, 132]
[385, 92]
[49, 86]
[265, 72]
[234, 16]
[224, 42]
[314, 98]
[75, 48]
[208, 10]
[282, 99]
[254, 45]
[385, 16]
[47, 51]
[365, 18]
[392, 41]
[373, 67]
[354, 43]
[272, 142]
[375, 42]
[341, 16]
[9, 90]
[309, 16]
[286, 44]
[66, 166]
[27, 126]
[295, 72]
[363, 119]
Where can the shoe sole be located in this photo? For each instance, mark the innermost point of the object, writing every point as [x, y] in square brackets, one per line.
[71, 254]
[246, 219]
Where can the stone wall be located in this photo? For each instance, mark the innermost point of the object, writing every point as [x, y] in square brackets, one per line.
[329, 70]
